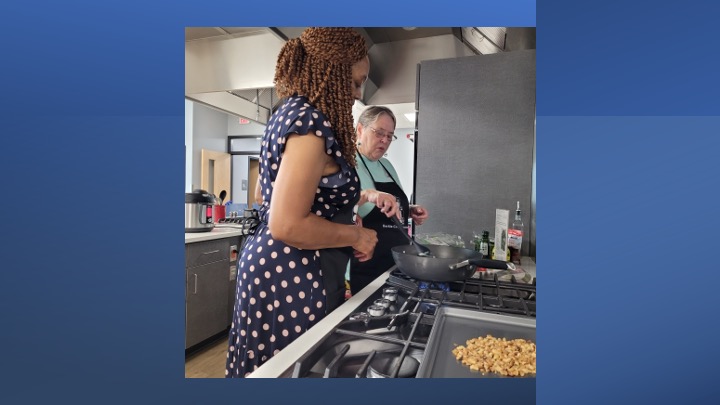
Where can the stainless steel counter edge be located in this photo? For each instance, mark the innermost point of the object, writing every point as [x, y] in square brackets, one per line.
[287, 357]
[216, 233]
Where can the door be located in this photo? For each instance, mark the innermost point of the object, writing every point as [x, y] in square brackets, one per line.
[207, 270]
[215, 171]
[206, 308]
[253, 173]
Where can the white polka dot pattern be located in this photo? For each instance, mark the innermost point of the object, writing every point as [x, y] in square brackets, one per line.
[279, 290]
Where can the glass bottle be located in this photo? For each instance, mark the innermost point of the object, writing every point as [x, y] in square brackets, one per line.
[477, 243]
[485, 244]
[515, 235]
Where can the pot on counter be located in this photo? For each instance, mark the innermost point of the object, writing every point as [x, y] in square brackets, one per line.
[199, 211]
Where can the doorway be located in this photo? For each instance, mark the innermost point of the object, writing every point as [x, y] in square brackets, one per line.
[253, 173]
[215, 171]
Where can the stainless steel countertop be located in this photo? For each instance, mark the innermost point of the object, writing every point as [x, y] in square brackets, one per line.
[215, 233]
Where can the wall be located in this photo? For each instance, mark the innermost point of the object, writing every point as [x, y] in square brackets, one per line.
[476, 133]
[209, 131]
[402, 155]
[189, 105]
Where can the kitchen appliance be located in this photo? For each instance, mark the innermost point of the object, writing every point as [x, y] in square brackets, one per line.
[399, 340]
[454, 326]
[199, 211]
[444, 263]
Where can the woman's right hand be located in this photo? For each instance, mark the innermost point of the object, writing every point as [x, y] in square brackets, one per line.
[385, 202]
[365, 244]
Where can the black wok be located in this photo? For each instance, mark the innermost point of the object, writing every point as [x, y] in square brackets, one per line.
[448, 264]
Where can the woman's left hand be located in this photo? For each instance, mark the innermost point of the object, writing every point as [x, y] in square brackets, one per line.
[418, 213]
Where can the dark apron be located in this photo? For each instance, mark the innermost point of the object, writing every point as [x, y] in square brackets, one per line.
[333, 262]
[362, 273]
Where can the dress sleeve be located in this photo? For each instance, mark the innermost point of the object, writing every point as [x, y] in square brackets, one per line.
[303, 119]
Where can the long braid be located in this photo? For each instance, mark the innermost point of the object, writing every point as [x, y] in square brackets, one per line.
[318, 65]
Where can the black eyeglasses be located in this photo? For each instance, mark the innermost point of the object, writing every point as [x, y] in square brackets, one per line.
[382, 134]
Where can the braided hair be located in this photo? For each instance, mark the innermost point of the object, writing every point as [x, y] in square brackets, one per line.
[318, 65]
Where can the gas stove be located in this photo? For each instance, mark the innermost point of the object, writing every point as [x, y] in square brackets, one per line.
[394, 331]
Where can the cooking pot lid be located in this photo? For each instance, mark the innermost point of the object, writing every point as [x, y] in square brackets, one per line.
[199, 196]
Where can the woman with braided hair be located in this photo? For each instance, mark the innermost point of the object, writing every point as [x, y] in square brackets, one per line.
[291, 271]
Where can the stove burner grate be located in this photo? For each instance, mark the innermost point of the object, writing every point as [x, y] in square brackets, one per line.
[510, 298]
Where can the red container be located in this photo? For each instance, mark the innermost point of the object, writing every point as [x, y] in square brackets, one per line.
[218, 213]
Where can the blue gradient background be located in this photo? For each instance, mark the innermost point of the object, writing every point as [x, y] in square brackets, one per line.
[92, 161]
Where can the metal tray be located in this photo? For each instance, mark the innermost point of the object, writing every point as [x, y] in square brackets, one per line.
[454, 326]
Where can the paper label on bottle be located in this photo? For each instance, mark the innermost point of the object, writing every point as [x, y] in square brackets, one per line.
[484, 249]
[501, 229]
[515, 238]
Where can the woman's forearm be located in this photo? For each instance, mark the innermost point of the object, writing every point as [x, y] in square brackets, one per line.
[313, 232]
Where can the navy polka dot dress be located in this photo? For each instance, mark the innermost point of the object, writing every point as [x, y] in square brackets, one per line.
[280, 291]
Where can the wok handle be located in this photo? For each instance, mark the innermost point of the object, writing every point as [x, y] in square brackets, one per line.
[463, 263]
[487, 263]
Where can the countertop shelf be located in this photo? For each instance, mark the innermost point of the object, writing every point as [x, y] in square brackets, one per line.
[216, 233]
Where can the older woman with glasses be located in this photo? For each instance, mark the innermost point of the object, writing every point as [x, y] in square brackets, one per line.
[375, 133]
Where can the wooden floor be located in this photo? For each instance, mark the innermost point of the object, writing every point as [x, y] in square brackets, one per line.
[208, 361]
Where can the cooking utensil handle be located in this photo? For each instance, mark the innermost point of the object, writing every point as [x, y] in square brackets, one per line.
[463, 263]
[397, 222]
[492, 264]
[421, 249]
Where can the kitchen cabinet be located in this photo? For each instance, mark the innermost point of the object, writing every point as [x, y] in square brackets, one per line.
[210, 269]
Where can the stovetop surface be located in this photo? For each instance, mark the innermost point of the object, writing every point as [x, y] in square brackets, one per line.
[366, 345]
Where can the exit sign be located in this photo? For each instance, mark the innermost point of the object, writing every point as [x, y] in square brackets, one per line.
[243, 121]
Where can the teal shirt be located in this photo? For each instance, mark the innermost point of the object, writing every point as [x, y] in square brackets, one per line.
[366, 182]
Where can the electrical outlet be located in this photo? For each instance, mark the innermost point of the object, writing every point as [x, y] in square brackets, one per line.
[244, 184]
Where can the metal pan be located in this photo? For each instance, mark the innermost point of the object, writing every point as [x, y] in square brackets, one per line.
[447, 263]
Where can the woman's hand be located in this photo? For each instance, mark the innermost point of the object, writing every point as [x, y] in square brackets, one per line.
[365, 244]
[386, 202]
[418, 213]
